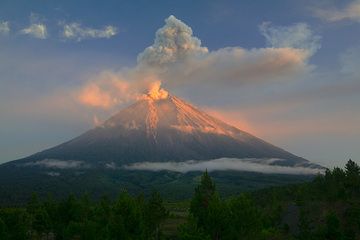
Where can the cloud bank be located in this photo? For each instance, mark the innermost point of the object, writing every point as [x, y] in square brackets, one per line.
[223, 164]
[351, 11]
[75, 31]
[177, 58]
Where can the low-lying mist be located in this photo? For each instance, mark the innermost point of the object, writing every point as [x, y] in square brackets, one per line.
[223, 164]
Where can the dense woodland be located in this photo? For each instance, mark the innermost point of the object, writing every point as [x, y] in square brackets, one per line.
[326, 208]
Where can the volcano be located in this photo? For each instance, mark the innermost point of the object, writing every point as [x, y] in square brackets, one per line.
[162, 128]
[158, 129]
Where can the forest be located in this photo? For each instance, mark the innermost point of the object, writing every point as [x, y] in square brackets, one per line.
[328, 207]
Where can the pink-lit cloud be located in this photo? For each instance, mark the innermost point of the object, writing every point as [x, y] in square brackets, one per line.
[351, 11]
[177, 58]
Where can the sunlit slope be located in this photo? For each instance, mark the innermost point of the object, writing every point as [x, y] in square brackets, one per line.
[160, 129]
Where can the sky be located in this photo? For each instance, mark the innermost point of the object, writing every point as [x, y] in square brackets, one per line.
[285, 71]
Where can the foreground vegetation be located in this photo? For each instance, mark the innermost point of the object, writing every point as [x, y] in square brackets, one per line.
[18, 184]
[326, 208]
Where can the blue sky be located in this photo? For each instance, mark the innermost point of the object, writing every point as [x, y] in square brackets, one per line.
[310, 106]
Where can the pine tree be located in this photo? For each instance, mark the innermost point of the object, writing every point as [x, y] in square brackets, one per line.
[352, 169]
[216, 222]
[332, 228]
[207, 208]
[204, 192]
[126, 218]
[190, 231]
[245, 218]
[352, 183]
[304, 226]
[40, 220]
[154, 214]
[17, 222]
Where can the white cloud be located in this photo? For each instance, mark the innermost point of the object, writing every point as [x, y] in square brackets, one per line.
[59, 164]
[111, 165]
[224, 164]
[332, 14]
[53, 174]
[76, 32]
[298, 36]
[4, 28]
[36, 30]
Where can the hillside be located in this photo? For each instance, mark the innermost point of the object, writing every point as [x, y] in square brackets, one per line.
[325, 208]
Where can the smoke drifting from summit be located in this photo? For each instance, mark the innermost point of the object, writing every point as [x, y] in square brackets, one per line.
[177, 58]
[110, 89]
[173, 42]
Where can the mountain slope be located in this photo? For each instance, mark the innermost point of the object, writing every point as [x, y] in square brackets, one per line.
[161, 129]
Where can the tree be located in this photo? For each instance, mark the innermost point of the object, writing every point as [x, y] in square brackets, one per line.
[216, 222]
[102, 214]
[51, 208]
[204, 192]
[3, 234]
[352, 171]
[245, 218]
[332, 228]
[206, 207]
[154, 214]
[304, 226]
[126, 218]
[17, 223]
[190, 231]
[40, 220]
